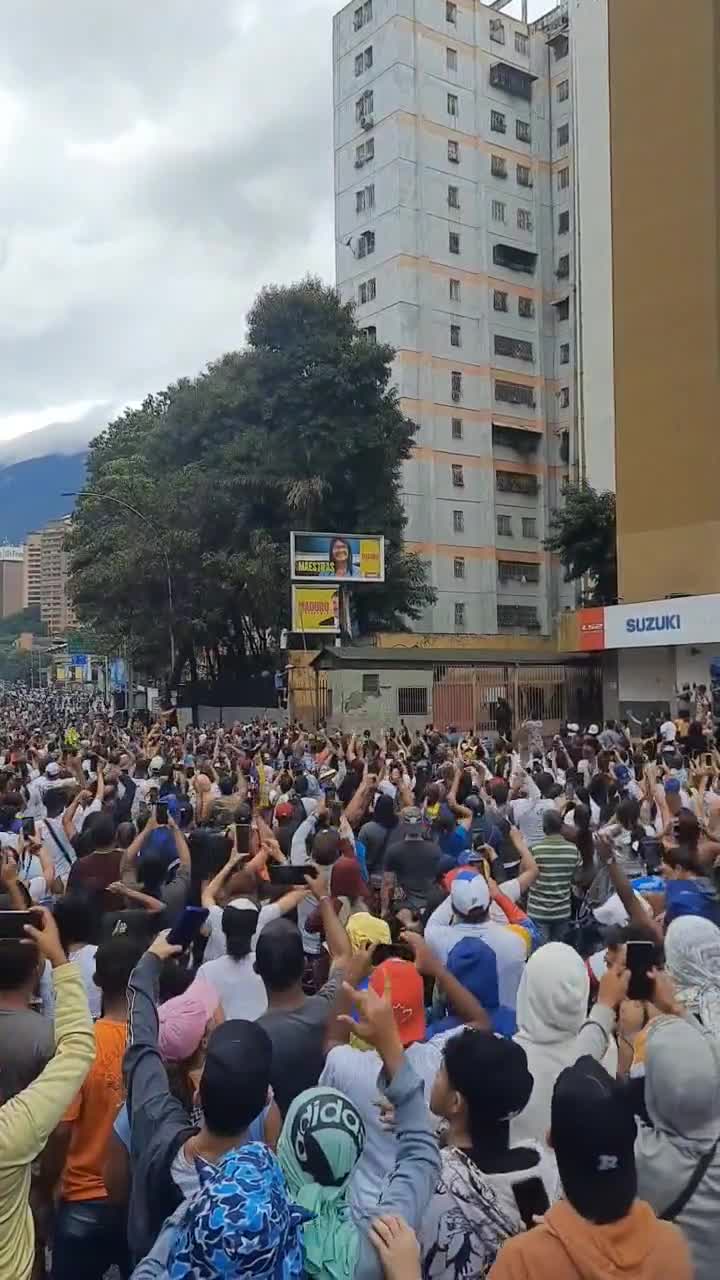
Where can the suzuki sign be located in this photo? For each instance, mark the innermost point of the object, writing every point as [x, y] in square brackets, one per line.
[690, 620]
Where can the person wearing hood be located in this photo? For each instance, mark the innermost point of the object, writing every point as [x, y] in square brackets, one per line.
[692, 958]
[554, 1027]
[600, 1230]
[678, 1157]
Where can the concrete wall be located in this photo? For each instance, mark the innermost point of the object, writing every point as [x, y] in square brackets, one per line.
[354, 710]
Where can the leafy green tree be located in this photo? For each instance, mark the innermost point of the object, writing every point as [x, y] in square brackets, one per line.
[583, 534]
[300, 430]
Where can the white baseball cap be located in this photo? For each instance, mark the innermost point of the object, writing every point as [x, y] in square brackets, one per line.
[469, 895]
[156, 764]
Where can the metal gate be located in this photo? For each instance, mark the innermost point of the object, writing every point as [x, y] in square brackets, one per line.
[467, 697]
[309, 696]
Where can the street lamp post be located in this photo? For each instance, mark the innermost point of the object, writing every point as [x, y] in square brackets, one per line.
[119, 502]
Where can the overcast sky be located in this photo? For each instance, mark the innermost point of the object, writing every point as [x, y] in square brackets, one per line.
[160, 161]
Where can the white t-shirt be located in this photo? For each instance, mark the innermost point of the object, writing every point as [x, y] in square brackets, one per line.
[527, 815]
[52, 834]
[443, 931]
[668, 731]
[242, 993]
[355, 1072]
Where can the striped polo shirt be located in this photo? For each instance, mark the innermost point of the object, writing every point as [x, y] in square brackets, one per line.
[549, 898]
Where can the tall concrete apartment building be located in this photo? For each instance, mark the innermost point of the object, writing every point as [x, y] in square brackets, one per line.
[11, 580]
[455, 232]
[46, 575]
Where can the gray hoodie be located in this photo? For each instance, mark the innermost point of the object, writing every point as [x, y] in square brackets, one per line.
[682, 1096]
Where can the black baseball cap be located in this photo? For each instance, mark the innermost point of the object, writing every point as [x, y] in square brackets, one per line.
[593, 1134]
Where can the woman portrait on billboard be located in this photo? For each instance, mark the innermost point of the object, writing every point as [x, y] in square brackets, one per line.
[340, 557]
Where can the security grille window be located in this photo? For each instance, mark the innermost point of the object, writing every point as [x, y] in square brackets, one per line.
[504, 526]
[458, 521]
[459, 614]
[516, 571]
[518, 615]
[516, 482]
[514, 348]
[497, 122]
[526, 307]
[412, 702]
[500, 300]
[515, 393]
[371, 684]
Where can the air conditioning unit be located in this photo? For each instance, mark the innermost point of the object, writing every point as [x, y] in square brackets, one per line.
[366, 122]
[359, 164]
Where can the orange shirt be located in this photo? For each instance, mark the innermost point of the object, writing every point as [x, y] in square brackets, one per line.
[92, 1115]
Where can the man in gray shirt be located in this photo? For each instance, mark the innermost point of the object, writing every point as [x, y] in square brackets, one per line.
[27, 1039]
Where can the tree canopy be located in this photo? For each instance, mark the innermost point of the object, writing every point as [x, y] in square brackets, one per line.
[583, 534]
[299, 430]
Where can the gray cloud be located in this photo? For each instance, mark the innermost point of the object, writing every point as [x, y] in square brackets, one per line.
[160, 162]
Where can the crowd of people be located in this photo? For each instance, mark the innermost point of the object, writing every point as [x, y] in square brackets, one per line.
[279, 1002]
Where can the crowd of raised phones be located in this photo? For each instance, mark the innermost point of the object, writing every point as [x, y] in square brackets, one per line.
[279, 1002]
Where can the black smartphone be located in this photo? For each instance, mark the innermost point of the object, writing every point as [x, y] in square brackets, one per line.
[161, 813]
[242, 837]
[28, 827]
[640, 958]
[188, 926]
[531, 1199]
[282, 873]
[12, 923]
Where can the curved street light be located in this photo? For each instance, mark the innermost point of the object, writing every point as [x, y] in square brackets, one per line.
[157, 529]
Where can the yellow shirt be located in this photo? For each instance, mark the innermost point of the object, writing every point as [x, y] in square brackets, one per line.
[28, 1119]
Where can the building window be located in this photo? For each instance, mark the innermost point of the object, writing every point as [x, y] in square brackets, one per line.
[498, 211]
[364, 61]
[522, 131]
[453, 105]
[500, 300]
[504, 526]
[523, 173]
[459, 567]
[454, 242]
[363, 15]
[371, 684]
[366, 244]
[515, 393]
[516, 482]
[564, 222]
[453, 197]
[459, 613]
[367, 291]
[563, 266]
[497, 30]
[563, 91]
[364, 107]
[453, 151]
[359, 65]
[514, 348]
[524, 220]
[456, 385]
[517, 571]
[365, 198]
[498, 166]
[565, 447]
[497, 122]
[526, 307]
[563, 179]
[561, 44]
[529, 527]
[364, 153]
[564, 397]
[413, 702]
[370, 333]
[562, 310]
[507, 256]
[458, 521]
[563, 135]
[455, 335]
[454, 290]
[451, 59]
[457, 428]
[511, 80]
[518, 615]
[458, 478]
[564, 352]
[522, 43]
[451, 12]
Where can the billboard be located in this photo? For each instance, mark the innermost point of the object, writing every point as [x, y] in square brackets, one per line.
[592, 629]
[337, 557]
[316, 609]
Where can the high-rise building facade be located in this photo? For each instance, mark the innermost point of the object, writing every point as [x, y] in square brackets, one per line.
[455, 212]
[46, 575]
[11, 580]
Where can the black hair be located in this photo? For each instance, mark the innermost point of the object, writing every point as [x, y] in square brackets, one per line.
[326, 848]
[102, 827]
[75, 918]
[152, 870]
[279, 957]
[331, 558]
[55, 800]
[545, 783]
[499, 792]
[244, 1056]
[466, 1057]
[583, 838]
[239, 929]
[384, 812]
[174, 980]
[114, 962]
[18, 964]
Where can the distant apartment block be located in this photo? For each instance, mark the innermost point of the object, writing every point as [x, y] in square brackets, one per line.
[46, 575]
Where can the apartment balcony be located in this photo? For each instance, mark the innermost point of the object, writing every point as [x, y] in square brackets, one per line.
[512, 80]
[514, 259]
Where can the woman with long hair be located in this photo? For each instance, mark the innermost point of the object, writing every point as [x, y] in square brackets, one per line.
[340, 558]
